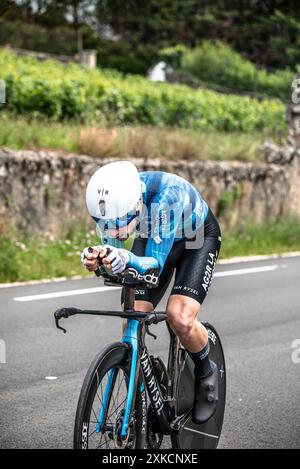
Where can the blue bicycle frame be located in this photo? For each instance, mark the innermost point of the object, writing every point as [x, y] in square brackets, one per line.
[131, 338]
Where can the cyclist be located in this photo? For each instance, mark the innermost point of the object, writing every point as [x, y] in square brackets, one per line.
[173, 230]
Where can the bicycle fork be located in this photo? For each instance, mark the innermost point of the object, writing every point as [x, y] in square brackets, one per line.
[131, 338]
[165, 412]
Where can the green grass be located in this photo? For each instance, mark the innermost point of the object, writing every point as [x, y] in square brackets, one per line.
[144, 142]
[32, 258]
[267, 238]
[23, 258]
[21, 133]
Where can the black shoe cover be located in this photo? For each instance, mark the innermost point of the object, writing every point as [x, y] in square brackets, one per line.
[206, 396]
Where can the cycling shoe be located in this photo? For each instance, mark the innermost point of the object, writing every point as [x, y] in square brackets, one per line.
[206, 396]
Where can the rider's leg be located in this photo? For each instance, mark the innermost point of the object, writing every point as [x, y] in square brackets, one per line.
[182, 317]
[139, 305]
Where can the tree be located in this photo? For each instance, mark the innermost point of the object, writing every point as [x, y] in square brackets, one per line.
[79, 13]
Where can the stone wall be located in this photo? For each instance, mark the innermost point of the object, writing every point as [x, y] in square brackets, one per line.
[45, 191]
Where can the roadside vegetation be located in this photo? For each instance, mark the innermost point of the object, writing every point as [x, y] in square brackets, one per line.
[218, 66]
[130, 141]
[65, 92]
[34, 258]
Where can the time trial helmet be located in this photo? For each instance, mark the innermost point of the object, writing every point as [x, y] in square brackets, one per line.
[113, 194]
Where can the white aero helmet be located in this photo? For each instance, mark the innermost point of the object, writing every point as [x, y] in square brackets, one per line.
[113, 194]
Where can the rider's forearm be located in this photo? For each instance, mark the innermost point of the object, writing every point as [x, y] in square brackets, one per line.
[142, 264]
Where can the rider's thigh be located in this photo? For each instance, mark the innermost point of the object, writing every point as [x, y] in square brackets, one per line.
[141, 305]
[145, 306]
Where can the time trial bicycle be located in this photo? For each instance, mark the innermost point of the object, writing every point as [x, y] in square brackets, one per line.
[130, 399]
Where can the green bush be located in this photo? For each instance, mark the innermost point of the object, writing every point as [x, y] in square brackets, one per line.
[173, 55]
[63, 92]
[217, 63]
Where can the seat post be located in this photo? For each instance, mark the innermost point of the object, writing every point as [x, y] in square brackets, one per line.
[129, 297]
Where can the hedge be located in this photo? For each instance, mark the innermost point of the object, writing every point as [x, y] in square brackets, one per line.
[71, 91]
[217, 63]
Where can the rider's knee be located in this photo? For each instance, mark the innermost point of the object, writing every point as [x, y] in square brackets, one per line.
[181, 319]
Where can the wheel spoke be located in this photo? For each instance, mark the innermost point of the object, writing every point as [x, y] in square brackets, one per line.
[114, 407]
[118, 395]
[117, 408]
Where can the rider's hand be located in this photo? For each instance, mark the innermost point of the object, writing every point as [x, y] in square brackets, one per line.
[116, 260]
[90, 259]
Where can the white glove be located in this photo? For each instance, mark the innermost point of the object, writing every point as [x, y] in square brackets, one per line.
[90, 259]
[118, 259]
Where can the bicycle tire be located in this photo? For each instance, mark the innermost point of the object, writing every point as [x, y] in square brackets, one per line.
[207, 435]
[116, 356]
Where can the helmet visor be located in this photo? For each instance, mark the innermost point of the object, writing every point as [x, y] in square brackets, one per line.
[117, 223]
[105, 238]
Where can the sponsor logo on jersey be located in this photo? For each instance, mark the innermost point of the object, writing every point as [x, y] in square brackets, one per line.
[157, 239]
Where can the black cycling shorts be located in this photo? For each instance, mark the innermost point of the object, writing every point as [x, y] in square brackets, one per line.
[193, 267]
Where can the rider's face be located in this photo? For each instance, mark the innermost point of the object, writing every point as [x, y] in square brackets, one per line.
[123, 233]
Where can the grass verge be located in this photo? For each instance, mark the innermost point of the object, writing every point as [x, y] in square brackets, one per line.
[33, 258]
[266, 238]
[142, 142]
[23, 259]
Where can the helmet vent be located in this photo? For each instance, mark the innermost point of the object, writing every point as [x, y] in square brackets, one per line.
[102, 207]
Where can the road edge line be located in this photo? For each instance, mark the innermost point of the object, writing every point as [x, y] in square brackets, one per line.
[262, 257]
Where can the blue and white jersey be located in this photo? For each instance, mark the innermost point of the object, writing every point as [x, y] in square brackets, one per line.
[172, 210]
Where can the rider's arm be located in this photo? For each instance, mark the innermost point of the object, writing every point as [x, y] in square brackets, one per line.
[142, 264]
[166, 217]
[162, 232]
[166, 224]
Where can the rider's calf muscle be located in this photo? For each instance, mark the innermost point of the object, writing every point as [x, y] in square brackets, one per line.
[182, 316]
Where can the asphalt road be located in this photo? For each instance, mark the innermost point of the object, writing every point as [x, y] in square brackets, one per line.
[256, 312]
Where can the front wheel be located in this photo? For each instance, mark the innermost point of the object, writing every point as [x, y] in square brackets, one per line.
[102, 401]
[207, 435]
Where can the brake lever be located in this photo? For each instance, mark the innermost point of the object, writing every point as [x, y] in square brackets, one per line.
[59, 327]
[58, 316]
[64, 313]
[147, 325]
[150, 333]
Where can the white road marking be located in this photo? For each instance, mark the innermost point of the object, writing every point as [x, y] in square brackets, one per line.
[85, 291]
[51, 378]
[252, 270]
[60, 294]
[263, 257]
[201, 433]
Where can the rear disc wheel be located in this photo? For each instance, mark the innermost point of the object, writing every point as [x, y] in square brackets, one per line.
[207, 435]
